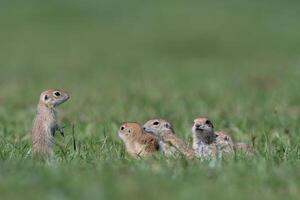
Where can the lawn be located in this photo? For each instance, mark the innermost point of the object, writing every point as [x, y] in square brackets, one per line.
[236, 62]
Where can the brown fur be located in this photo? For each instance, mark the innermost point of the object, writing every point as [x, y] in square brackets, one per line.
[169, 142]
[179, 144]
[200, 120]
[138, 143]
[228, 146]
[45, 124]
[224, 142]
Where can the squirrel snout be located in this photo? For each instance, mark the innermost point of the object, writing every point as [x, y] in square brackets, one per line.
[197, 125]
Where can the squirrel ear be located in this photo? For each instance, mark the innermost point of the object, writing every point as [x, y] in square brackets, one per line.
[46, 97]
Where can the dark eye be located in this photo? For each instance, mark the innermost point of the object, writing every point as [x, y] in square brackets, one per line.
[57, 94]
[208, 122]
[155, 123]
[122, 128]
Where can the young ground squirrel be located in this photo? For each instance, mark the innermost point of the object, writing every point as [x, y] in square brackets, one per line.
[138, 143]
[223, 141]
[45, 123]
[227, 145]
[204, 139]
[168, 142]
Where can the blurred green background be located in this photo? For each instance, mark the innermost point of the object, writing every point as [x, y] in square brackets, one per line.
[235, 61]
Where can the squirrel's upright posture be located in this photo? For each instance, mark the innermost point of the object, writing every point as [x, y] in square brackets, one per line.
[204, 139]
[169, 143]
[137, 142]
[207, 142]
[45, 123]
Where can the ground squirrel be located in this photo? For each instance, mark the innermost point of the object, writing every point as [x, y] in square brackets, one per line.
[224, 142]
[227, 145]
[45, 123]
[204, 139]
[137, 142]
[168, 142]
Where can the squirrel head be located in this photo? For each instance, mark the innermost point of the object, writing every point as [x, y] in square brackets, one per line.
[129, 131]
[53, 97]
[202, 125]
[223, 137]
[158, 127]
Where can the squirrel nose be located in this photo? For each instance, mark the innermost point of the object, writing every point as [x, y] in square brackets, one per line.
[197, 125]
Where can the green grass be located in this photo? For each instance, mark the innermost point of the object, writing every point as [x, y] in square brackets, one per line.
[236, 62]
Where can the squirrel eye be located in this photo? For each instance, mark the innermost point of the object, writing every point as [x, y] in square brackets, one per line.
[57, 94]
[156, 123]
[208, 122]
[122, 128]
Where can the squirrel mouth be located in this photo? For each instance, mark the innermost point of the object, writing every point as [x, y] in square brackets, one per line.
[199, 129]
[147, 130]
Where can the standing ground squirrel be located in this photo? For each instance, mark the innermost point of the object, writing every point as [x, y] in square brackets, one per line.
[204, 139]
[223, 141]
[138, 143]
[168, 142]
[45, 123]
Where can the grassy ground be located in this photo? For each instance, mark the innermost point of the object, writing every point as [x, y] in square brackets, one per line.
[235, 61]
